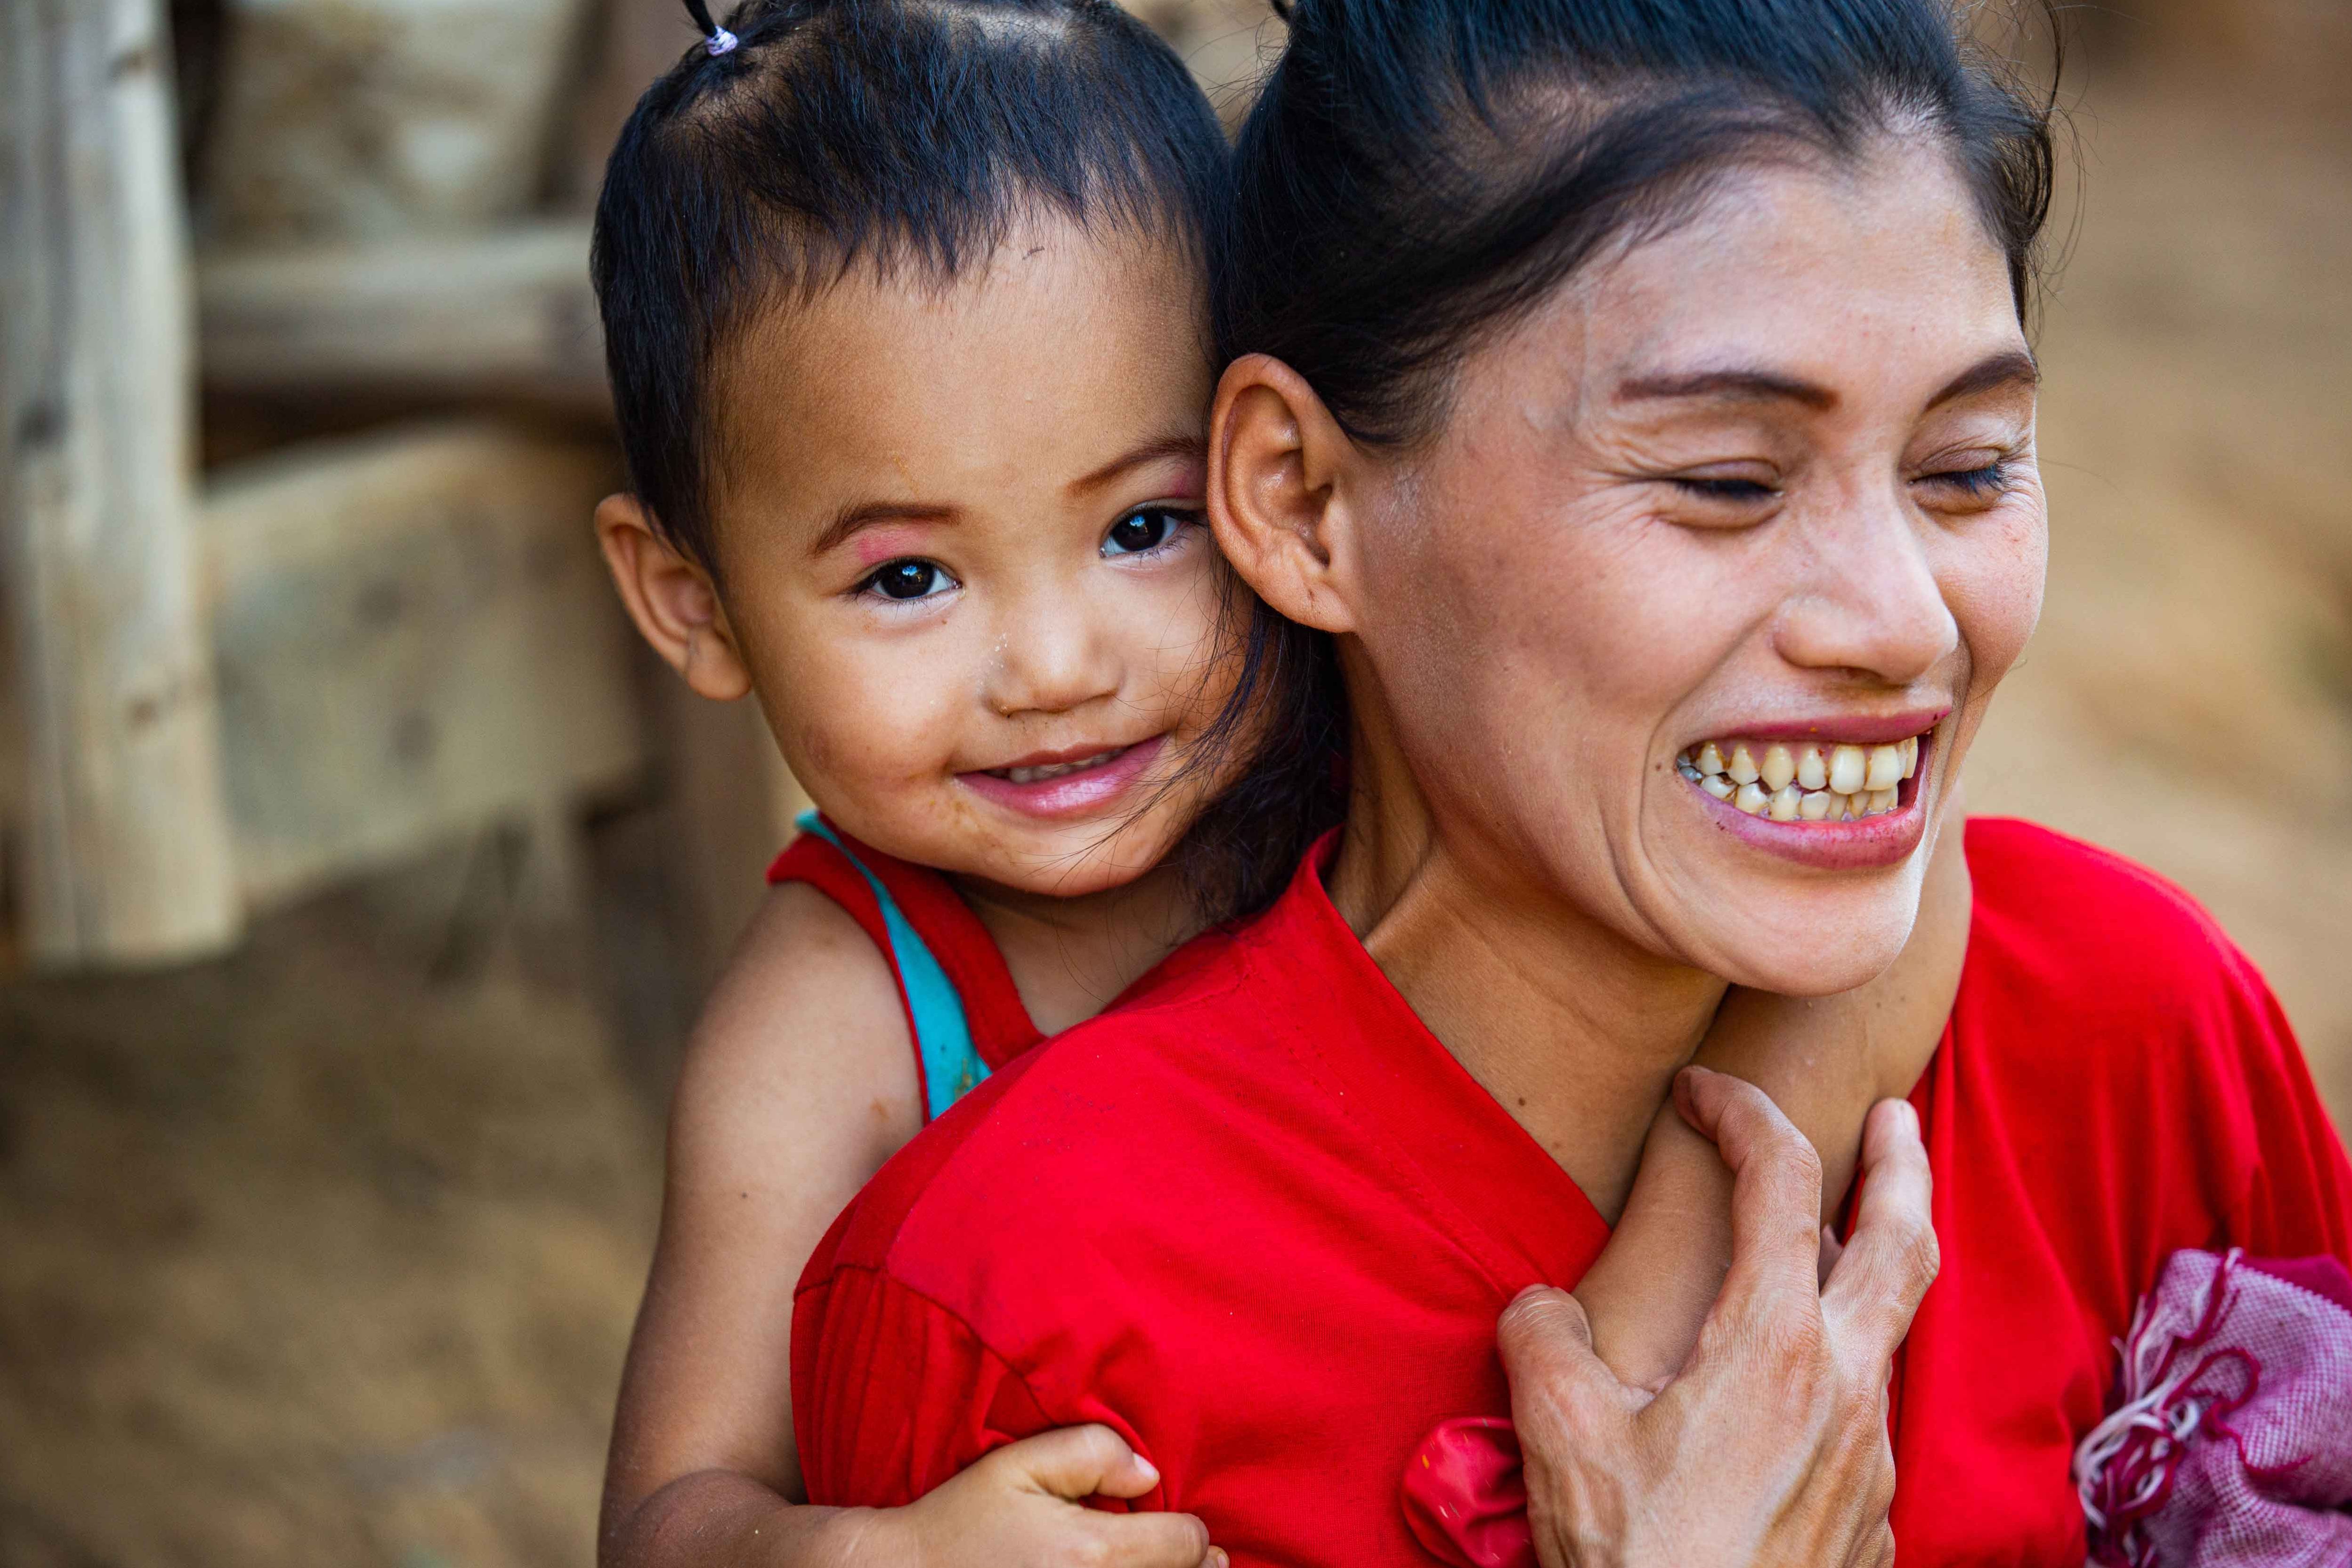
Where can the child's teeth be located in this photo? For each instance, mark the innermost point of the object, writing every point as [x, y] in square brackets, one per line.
[1802, 782]
[1055, 769]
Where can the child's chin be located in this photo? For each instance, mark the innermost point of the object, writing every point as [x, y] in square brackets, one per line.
[1081, 864]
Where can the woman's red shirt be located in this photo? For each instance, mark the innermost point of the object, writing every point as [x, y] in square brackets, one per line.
[1260, 1221]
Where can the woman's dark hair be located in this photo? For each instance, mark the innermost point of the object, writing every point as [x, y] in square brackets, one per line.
[894, 133]
[1417, 175]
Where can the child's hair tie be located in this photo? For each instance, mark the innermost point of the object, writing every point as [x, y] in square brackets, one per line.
[716, 39]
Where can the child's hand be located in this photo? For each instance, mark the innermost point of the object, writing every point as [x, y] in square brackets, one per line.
[1020, 1508]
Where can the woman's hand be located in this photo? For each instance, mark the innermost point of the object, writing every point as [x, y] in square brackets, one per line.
[1019, 1507]
[1770, 1448]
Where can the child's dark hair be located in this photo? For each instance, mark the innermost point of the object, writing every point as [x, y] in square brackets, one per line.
[803, 138]
[1416, 175]
[808, 137]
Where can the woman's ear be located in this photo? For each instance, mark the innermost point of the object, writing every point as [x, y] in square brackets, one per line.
[672, 600]
[1274, 456]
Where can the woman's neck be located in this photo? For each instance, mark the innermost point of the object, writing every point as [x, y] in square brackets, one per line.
[1069, 957]
[1576, 1032]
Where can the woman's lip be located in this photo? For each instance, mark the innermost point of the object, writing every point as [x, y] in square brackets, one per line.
[1080, 794]
[1843, 730]
[1865, 845]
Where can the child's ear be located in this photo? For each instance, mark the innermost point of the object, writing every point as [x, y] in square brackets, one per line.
[1275, 457]
[672, 600]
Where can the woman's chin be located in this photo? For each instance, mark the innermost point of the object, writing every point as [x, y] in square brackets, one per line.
[1832, 945]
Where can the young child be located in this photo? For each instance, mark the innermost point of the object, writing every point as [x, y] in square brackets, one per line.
[906, 310]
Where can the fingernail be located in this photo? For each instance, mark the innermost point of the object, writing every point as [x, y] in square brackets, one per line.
[1150, 1471]
[1910, 1116]
[1217, 1558]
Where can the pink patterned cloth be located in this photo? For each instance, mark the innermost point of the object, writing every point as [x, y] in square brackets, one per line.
[2232, 1442]
[1466, 1496]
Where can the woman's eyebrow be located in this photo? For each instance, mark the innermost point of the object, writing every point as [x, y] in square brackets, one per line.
[2010, 367]
[1186, 446]
[1735, 386]
[2007, 367]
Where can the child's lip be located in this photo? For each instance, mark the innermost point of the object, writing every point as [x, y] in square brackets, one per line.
[1078, 792]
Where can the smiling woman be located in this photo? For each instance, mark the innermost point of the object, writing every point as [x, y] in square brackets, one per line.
[1636, 396]
[1805, 515]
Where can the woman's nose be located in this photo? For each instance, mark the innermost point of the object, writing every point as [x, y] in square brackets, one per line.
[1050, 659]
[1870, 601]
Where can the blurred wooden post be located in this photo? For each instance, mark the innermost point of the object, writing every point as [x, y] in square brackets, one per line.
[126, 839]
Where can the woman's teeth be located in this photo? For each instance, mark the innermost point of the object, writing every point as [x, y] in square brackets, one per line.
[1802, 783]
[1055, 769]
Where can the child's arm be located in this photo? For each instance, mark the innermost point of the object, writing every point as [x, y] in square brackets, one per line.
[1825, 1061]
[798, 1084]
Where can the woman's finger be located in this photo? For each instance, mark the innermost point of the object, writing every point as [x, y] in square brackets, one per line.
[1892, 1258]
[1776, 1193]
[1558, 1385]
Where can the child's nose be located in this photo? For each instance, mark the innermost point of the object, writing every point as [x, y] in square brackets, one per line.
[1051, 662]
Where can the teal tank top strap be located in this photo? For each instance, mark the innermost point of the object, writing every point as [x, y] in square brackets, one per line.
[952, 1067]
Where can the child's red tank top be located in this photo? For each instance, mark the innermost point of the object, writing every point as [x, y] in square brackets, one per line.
[963, 1012]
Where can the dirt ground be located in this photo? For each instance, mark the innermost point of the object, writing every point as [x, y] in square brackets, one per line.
[327, 1254]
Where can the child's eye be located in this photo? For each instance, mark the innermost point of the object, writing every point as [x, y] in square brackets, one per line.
[907, 580]
[1146, 528]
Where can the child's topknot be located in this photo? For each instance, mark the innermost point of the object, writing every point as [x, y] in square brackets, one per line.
[892, 133]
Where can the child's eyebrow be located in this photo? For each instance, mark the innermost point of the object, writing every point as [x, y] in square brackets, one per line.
[861, 515]
[1186, 446]
[855, 517]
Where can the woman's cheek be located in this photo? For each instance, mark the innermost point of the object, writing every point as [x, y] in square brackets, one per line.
[1996, 584]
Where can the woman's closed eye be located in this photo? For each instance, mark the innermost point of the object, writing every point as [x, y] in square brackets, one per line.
[902, 581]
[1980, 484]
[1147, 529]
[1724, 500]
[1739, 491]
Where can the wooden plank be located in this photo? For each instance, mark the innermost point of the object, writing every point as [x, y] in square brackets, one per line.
[354, 118]
[505, 312]
[415, 638]
[126, 852]
[638, 42]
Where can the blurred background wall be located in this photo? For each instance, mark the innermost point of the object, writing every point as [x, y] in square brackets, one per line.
[327, 1188]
